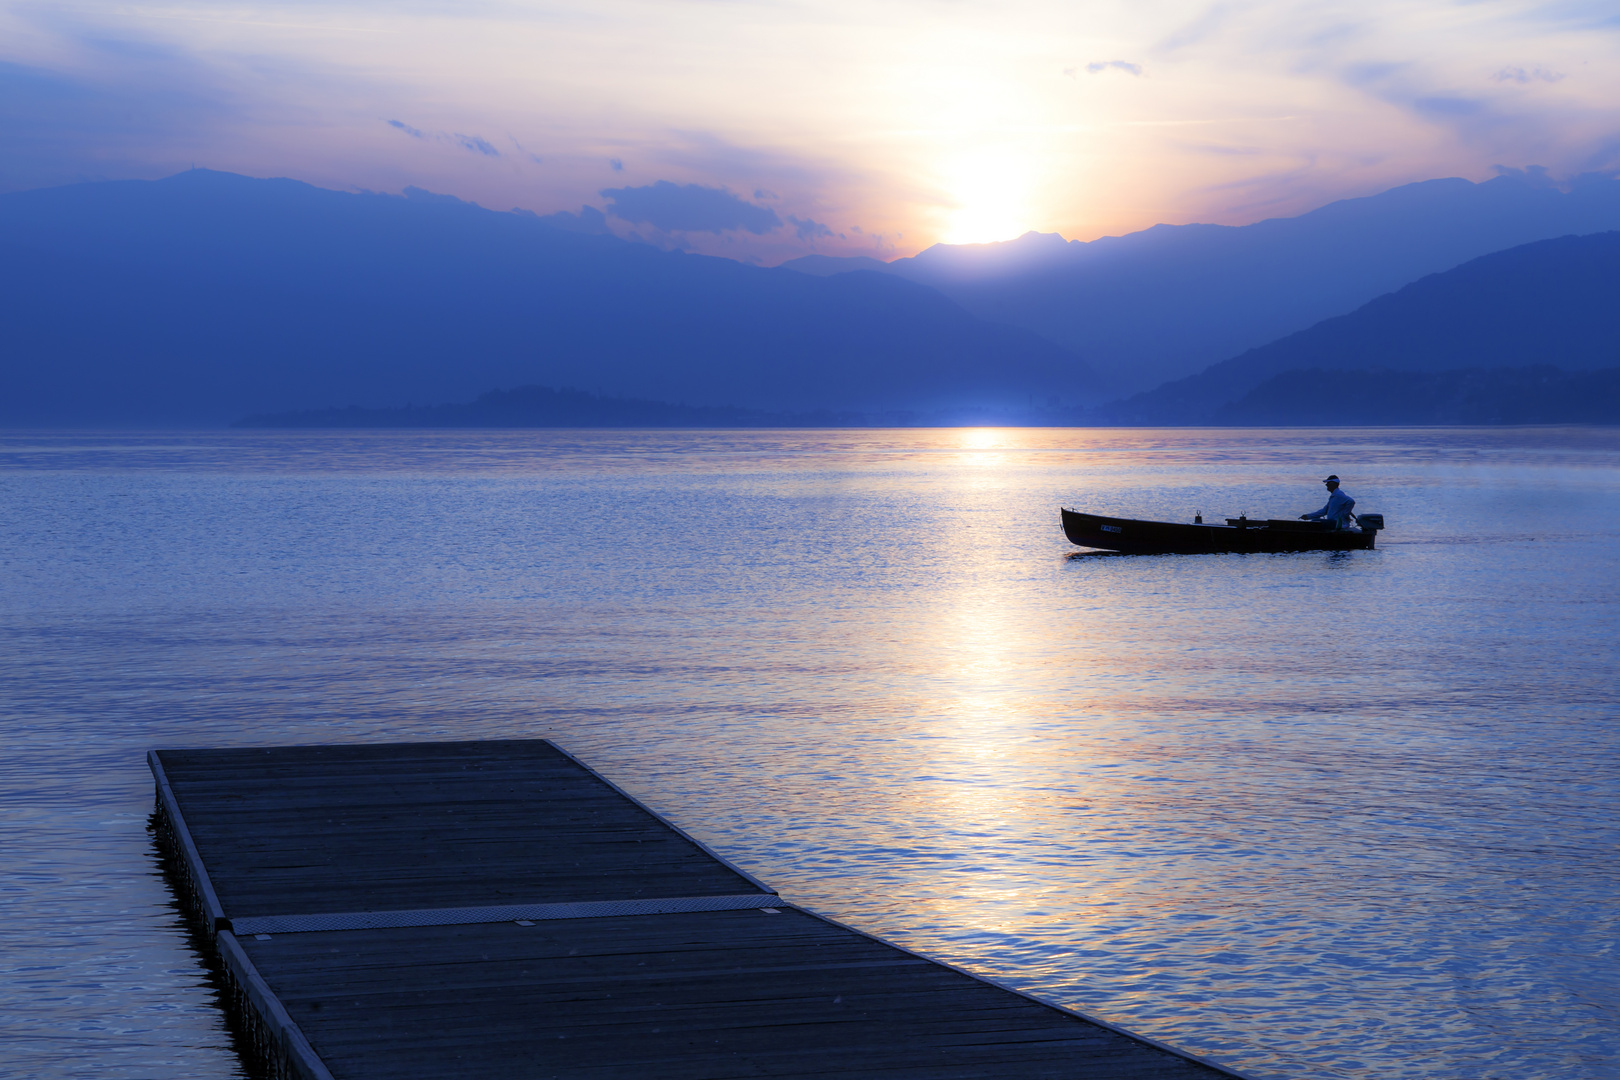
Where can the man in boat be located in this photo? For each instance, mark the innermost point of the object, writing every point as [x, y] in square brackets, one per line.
[1338, 506]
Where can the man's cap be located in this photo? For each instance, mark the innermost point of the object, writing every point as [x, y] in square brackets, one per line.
[1331, 480]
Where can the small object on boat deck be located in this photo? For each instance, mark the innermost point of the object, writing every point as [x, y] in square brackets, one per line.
[1239, 534]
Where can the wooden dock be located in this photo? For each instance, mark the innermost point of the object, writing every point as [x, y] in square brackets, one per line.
[495, 910]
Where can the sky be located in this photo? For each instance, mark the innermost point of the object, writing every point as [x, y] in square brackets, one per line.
[763, 130]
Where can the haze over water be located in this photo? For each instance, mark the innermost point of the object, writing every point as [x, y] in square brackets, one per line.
[1346, 815]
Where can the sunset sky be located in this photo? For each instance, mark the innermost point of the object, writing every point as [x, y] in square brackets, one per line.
[872, 127]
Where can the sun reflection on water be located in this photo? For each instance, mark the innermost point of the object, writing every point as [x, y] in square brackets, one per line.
[984, 439]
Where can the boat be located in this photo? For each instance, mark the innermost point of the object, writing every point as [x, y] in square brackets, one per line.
[1239, 534]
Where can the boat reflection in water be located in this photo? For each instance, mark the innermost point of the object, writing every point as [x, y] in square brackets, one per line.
[1237, 535]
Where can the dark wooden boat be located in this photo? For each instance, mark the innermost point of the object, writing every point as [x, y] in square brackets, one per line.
[1238, 534]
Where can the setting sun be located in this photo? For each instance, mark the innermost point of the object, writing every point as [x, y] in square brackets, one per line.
[990, 191]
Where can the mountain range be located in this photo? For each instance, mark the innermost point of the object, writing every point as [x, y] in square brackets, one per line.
[1161, 304]
[567, 407]
[207, 296]
[1377, 397]
[1550, 304]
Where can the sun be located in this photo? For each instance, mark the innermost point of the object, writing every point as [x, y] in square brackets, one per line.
[990, 192]
[982, 224]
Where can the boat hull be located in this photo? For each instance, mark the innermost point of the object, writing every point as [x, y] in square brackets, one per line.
[1172, 538]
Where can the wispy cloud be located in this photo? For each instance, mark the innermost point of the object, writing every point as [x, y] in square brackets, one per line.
[1097, 67]
[1448, 108]
[805, 229]
[474, 143]
[1522, 75]
[1535, 175]
[1197, 30]
[689, 208]
[477, 145]
[535, 158]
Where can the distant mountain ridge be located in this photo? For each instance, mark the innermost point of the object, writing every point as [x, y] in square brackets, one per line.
[568, 407]
[207, 296]
[1539, 394]
[1548, 303]
[1159, 305]
[525, 406]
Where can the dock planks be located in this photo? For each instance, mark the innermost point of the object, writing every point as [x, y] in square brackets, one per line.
[495, 909]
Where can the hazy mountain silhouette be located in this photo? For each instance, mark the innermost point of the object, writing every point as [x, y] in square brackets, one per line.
[1548, 303]
[1160, 304]
[207, 296]
[547, 407]
[527, 406]
[1529, 395]
[828, 265]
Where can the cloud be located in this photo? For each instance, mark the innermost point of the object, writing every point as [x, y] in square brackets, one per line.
[805, 229]
[1480, 120]
[477, 145]
[522, 150]
[588, 220]
[1222, 149]
[1441, 106]
[1099, 66]
[689, 208]
[771, 179]
[1369, 73]
[467, 142]
[615, 164]
[1520, 75]
[1533, 175]
[1199, 30]
[1603, 160]
[417, 194]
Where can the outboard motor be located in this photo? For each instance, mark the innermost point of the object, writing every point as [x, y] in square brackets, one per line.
[1370, 522]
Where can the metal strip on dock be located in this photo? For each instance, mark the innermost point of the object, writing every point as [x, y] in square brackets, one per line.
[377, 920]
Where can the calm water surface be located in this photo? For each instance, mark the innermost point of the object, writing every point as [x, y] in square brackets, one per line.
[1313, 815]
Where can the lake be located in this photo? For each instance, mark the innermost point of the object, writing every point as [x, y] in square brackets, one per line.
[1318, 815]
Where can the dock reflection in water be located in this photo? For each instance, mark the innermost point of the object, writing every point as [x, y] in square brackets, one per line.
[1326, 815]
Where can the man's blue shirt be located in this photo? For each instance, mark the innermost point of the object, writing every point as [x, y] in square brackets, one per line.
[1337, 510]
